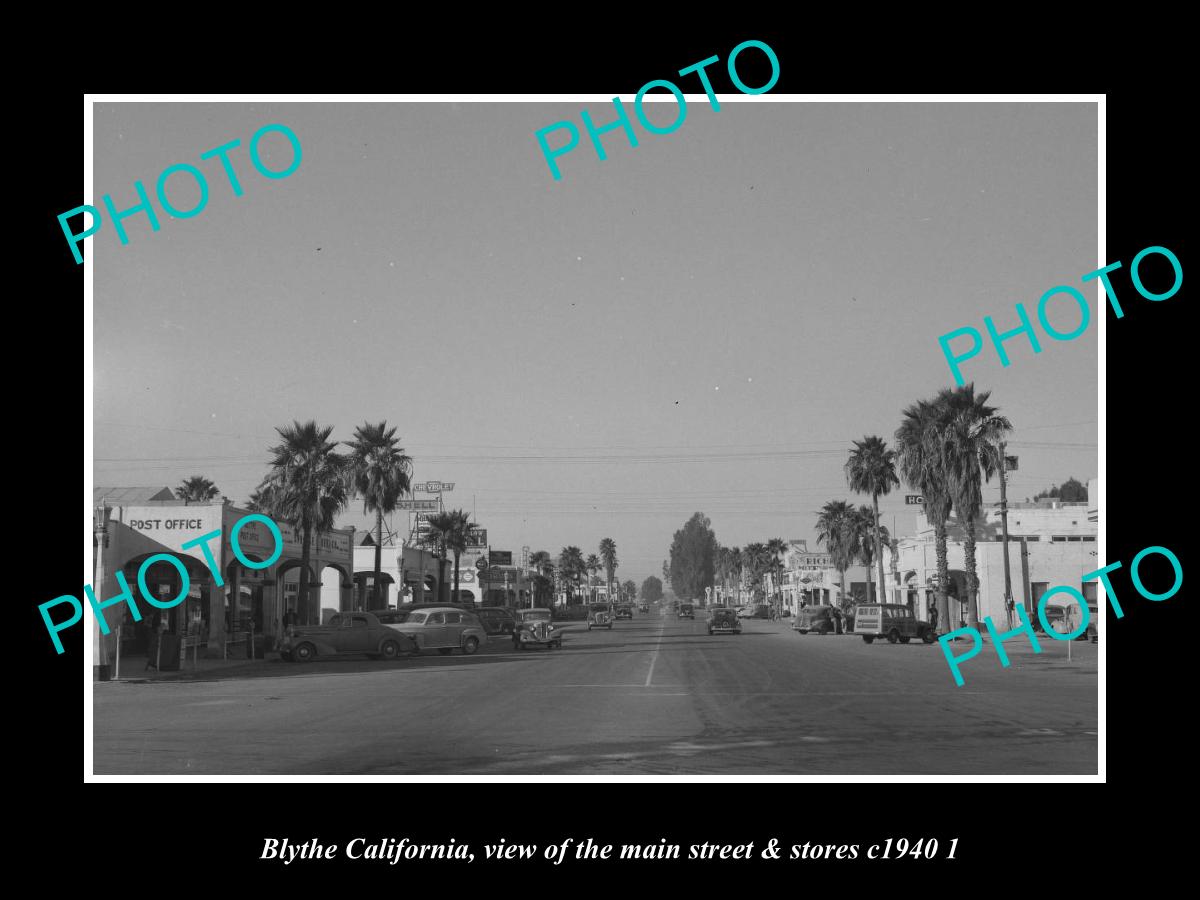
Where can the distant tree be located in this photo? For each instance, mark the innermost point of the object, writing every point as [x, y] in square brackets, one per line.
[451, 530]
[571, 567]
[693, 557]
[871, 469]
[652, 590]
[629, 591]
[1072, 491]
[381, 471]
[196, 489]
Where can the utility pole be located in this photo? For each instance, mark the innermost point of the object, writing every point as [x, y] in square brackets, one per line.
[1008, 599]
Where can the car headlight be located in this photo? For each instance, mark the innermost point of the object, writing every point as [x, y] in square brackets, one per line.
[549, 627]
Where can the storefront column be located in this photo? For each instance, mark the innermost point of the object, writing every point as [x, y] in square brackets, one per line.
[216, 620]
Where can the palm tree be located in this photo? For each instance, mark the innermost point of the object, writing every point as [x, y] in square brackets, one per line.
[754, 556]
[630, 589]
[861, 535]
[308, 485]
[871, 469]
[776, 547]
[571, 565]
[920, 461]
[381, 477]
[452, 530]
[971, 435]
[196, 489]
[893, 544]
[735, 569]
[608, 555]
[593, 566]
[833, 531]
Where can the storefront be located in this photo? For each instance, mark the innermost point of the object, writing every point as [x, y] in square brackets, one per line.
[145, 544]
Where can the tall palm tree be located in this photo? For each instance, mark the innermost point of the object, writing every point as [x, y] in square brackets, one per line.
[593, 566]
[308, 485]
[776, 548]
[755, 559]
[893, 545]
[572, 565]
[735, 570]
[196, 489]
[861, 535]
[833, 531]
[920, 461]
[452, 530]
[381, 477]
[608, 555]
[971, 435]
[871, 469]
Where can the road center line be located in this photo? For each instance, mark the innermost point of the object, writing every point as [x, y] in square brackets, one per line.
[654, 658]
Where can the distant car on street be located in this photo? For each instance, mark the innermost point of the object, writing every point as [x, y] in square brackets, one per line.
[600, 615]
[359, 632]
[1065, 619]
[724, 620]
[687, 611]
[892, 621]
[755, 611]
[534, 628]
[645, 607]
[443, 628]
[625, 611]
[817, 619]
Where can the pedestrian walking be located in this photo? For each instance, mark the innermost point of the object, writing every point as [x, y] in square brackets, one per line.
[837, 621]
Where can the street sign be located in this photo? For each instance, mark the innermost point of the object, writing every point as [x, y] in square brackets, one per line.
[913, 499]
[418, 505]
[477, 537]
[501, 558]
[433, 487]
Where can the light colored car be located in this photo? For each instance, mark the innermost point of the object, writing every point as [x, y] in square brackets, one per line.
[891, 621]
[358, 632]
[443, 628]
[534, 628]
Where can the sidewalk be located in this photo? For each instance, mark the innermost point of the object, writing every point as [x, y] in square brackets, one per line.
[133, 668]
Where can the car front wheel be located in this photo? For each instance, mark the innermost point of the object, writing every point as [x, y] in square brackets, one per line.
[868, 638]
[304, 653]
[470, 645]
[390, 650]
[928, 637]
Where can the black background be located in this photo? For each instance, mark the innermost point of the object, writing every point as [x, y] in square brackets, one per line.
[1039, 831]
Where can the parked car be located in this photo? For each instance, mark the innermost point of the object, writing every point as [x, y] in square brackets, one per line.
[893, 621]
[645, 607]
[625, 611]
[600, 615]
[1065, 619]
[359, 632]
[1093, 629]
[817, 619]
[497, 619]
[687, 611]
[743, 612]
[724, 620]
[534, 627]
[758, 611]
[402, 612]
[443, 628]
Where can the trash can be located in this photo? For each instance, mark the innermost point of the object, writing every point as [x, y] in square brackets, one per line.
[169, 659]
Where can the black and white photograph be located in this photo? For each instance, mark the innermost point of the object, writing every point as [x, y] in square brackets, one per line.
[464, 438]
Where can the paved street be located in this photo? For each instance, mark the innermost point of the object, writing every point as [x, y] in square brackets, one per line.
[653, 696]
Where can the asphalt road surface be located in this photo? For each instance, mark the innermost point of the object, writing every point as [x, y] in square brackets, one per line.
[654, 696]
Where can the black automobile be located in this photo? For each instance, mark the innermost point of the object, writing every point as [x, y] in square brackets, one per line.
[687, 611]
[625, 611]
[497, 619]
[724, 620]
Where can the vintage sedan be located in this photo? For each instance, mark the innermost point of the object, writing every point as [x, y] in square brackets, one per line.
[687, 611]
[357, 632]
[534, 628]
[724, 620]
[600, 615]
[443, 628]
[625, 611]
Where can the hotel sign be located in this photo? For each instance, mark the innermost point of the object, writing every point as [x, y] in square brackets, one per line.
[913, 500]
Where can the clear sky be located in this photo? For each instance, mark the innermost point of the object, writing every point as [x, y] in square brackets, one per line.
[702, 322]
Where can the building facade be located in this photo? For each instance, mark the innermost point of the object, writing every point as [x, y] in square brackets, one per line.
[1050, 543]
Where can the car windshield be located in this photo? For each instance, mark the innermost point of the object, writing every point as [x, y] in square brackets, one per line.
[599, 607]
[534, 615]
